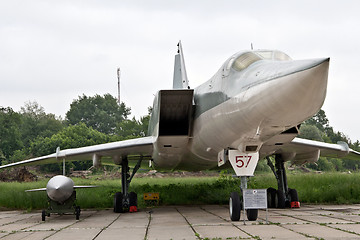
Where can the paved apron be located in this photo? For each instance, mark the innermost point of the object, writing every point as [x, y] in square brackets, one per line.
[187, 222]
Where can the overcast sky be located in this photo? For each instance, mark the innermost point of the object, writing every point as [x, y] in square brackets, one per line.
[54, 51]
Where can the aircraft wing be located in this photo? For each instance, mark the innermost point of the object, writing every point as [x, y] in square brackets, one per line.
[36, 190]
[138, 147]
[85, 186]
[301, 151]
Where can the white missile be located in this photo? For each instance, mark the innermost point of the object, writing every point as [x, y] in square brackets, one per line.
[59, 188]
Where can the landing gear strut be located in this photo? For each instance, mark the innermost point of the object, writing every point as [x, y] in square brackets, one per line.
[125, 201]
[284, 196]
[236, 205]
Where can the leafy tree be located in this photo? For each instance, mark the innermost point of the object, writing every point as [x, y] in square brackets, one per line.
[10, 137]
[356, 145]
[133, 128]
[351, 164]
[337, 164]
[335, 137]
[2, 157]
[324, 165]
[73, 136]
[310, 132]
[18, 155]
[36, 123]
[101, 113]
[319, 125]
[319, 120]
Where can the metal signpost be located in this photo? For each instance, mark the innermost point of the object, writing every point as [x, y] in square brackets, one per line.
[255, 199]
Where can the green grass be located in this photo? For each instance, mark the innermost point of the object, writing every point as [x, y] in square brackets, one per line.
[329, 188]
[326, 188]
[338, 188]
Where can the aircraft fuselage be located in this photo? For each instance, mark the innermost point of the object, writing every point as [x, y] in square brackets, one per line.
[255, 96]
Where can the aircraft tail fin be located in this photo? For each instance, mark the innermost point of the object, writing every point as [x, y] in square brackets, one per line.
[180, 80]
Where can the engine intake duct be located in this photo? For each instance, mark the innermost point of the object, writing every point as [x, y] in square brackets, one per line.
[175, 112]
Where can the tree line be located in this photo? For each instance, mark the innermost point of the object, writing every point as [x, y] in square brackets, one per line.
[100, 119]
[318, 128]
[32, 132]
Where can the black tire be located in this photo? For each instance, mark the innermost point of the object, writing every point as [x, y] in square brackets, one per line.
[234, 206]
[118, 208]
[271, 192]
[43, 215]
[279, 199]
[252, 214]
[77, 212]
[132, 199]
[293, 195]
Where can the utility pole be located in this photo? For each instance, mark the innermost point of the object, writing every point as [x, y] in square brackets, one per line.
[118, 76]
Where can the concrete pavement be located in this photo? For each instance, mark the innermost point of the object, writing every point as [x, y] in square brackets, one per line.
[186, 222]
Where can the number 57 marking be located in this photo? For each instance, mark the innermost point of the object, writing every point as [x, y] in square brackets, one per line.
[241, 160]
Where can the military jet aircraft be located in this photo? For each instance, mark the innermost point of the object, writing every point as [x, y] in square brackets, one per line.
[252, 108]
[61, 196]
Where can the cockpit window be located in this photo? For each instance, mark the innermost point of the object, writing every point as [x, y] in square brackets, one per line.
[273, 55]
[281, 56]
[245, 60]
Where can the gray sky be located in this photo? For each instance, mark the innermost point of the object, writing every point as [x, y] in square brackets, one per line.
[53, 51]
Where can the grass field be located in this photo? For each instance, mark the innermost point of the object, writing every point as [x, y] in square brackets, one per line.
[331, 188]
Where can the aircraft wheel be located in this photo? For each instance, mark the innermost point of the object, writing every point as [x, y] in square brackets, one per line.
[271, 192]
[234, 206]
[118, 208]
[289, 197]
[279, 199]
[293, 195]
[132, 202]
[43, 215]
[252, 214]
[294, 198]
[77, 212]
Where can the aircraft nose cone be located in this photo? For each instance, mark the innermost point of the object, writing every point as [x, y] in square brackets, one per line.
[296, 66]
[288, 92]
[300, 91]
[60, 188]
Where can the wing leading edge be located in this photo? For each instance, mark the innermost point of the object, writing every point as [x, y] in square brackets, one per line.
[138, 147]
[301, 151]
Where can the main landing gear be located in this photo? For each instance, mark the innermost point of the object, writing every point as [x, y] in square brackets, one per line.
[283, 196]
[236, 205]
[126, 201]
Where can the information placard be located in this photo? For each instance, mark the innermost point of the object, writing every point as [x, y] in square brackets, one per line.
[255, 198]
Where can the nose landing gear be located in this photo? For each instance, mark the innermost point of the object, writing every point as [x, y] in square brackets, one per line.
[236, 205]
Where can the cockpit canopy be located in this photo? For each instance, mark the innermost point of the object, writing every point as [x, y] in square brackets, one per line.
[241, 61]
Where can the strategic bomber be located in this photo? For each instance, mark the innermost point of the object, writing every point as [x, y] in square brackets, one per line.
[251, 109]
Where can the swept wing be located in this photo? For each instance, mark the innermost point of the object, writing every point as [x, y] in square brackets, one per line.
[301, 151]
[115, 150]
